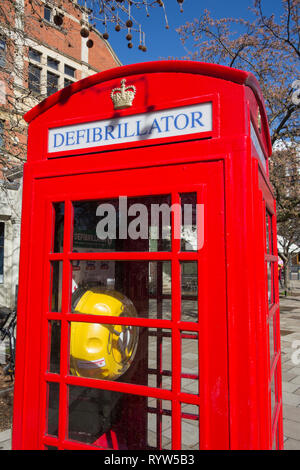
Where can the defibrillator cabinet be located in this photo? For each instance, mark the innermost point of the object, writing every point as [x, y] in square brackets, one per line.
[148, 314]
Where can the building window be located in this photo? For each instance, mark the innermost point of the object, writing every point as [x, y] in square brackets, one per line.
[52, 83]
[46, 74]
[35, 55]
[47, 13]
[1, 134]
[2, 227]
[69, 71]
[34, 78]
[2, 52]
[52, 63]
[67, 82]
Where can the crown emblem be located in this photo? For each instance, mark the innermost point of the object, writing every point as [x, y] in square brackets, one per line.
[123, 97]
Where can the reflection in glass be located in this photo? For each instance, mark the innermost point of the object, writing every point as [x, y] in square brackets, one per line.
[159, 358]
[270, 273]
[189, 221]
[159, 424]
[59, 212]
[189, 362]
[124, 224]
[267, 232]
[146, 283]
[53, 406]
[271, 339]
[114, 420]
[189, 291]
[273, 393]
[56, 285]
[54, 335]
[189, 427]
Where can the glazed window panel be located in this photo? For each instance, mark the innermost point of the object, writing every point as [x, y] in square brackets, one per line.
[274, 393]
[142, 287]
[123, 224]
[47, 13]
[56, 286]
[114, 420]
[189, 427]
[270, 283]
[131, 354]
[34, 78]
[59, 213]
[159, 423]
[188, 221]
[53, 409]
[54, 339]
[52, 83]
[267, 232]
[189, 291]
[189, 362]
[271, 339]
[2, 52]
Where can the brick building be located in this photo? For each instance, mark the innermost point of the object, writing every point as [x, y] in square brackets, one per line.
[41, 51]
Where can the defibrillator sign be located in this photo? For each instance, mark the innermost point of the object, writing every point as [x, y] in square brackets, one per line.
[164, 123]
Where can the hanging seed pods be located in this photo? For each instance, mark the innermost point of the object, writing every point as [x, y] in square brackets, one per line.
[84, 32]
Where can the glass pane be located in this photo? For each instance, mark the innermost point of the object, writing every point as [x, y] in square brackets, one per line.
[115, 420]
[274, 398]
[189, 291]
[52, 63]
[69, 71]
[267, 233]
[59, 212]
[189, 362]
[54, 334]
[35, 55]
[53, 406]
[47, 13]
[52, 83]
[159, 424]
[67, 82]
[188, 222]
[130, 354]
[123, 224]
[159, 358]
[271, 340]
[2, 52]
[189, 427]
[56, 286]
[145, 284]
[270, 273]
[34, 78]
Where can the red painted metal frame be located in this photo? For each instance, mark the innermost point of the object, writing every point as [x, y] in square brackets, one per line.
[234, 372]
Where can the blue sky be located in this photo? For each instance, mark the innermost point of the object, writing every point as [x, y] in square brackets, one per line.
[163, 43]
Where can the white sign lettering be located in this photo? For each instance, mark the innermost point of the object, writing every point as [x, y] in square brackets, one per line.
[167, 123]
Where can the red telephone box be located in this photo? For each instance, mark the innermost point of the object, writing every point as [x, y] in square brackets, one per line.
[148, 314]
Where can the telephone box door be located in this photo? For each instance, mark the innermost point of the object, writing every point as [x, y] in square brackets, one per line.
[128, 343]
